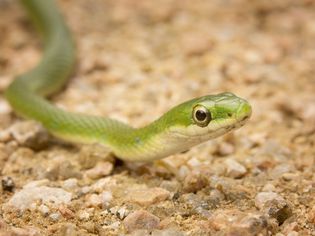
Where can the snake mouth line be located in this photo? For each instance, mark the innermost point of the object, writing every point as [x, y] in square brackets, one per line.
[228, 125]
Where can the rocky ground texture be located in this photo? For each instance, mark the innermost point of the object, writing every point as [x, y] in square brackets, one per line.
[137, 59]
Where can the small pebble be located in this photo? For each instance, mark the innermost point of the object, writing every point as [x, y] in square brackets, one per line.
[70, 184]
[114, 225]
[289, 176]
[263, 197]
[198, 205]
[220, 218]
[292, 226]
[216, 196]
[90, 155]
[171, 186]
[7, 184]
[55, 216]
[146, 197]
[30, 134]
[274, 205]
[43, 209]
[193, 162]
[234, 169]
[66, 212]
[84, 215]
[24, 199]
[85, 189]
[251, 224]
[269, 188]
[141, 219]
[103, 184]
[183, 171]
[107, 196]
[225, 149]
[100, 170]
[97, 200]
[62, 168]
[194, 182]
[94, 200]
[280, 170]
[120, 212]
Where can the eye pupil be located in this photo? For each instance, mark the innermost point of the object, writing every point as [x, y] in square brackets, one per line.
[201, 115]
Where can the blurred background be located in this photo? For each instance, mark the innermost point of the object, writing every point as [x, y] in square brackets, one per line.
[137, 59]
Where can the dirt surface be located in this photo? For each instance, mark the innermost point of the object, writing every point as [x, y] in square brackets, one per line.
[137, 59]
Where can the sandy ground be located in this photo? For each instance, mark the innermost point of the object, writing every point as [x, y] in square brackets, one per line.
[137, 59]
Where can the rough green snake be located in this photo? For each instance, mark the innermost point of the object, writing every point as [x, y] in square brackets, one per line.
[182, 127]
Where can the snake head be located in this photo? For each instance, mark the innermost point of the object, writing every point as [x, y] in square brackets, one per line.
[189, 124]
[209, 116]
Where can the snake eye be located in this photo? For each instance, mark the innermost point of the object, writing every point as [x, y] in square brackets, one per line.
[201, 116]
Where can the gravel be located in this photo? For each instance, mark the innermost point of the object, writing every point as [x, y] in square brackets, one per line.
[147, 197]
[141, 220]
[134, 63]
[234, 169]
[29, 195]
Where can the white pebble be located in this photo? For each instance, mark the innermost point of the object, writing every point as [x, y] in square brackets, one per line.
[94, 200]
[114, 210]
[122, 213]
[263, 197]
[28, 196]
[70, 183]
[234, 169]
[114, 225]
[193, 162]
[183, 172]
[84, 215]
[100, 170]
[85, 189]
[269, 188]
[107, 197]
[104, 183]
[55, 216]
[43, 209]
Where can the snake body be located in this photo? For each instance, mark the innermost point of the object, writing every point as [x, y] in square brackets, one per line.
[182, 127]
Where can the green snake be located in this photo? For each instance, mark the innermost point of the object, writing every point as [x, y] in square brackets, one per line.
[185, 125]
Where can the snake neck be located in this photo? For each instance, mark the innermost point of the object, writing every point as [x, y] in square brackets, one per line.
[146, 144]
